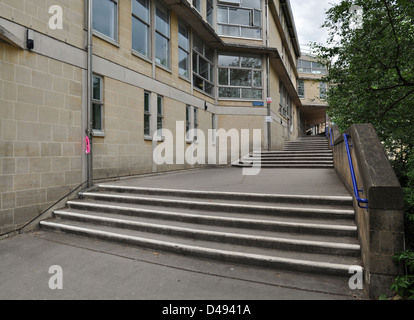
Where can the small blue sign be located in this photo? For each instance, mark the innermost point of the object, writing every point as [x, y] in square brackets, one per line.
[258, 104]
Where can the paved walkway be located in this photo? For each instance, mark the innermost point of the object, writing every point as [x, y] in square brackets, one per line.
[101, 270]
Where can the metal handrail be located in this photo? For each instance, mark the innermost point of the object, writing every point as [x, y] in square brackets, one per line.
[331, 136]
[354, 182]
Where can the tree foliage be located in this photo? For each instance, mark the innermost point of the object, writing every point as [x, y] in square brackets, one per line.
[371, 72]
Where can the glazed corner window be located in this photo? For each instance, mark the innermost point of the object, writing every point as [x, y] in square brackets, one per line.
[240, 76]
[105, 18]
[301, 89]
[242, 18]
[141, 27]
[183, 51]
[203, 66]
[97, 105]
[147, 115]
[162, 37]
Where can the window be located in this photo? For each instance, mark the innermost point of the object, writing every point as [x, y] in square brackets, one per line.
[141, 27]
[97, 105]
[195, 123]
[147, 114]
[305, 66]
[301, 89]
[241, 19]
[187, 122]
[183, 51]
[203, 66]
[160, 112]
[197, 5]
[323, 88]
[162, 37]
[285, 105]
[105, 18]
[210, 10]
[240, 76]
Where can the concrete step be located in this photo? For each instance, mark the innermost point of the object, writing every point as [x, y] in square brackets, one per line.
[238, 222]
[297, 166]
[286, 161]
[214, 205]
[232, 196]
[296, 152]
[228, 235]
[248, 254]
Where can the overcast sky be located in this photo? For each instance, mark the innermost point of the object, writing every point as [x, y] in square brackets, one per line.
[309, 15]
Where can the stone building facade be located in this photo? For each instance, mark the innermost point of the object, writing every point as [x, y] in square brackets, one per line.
[210, 64]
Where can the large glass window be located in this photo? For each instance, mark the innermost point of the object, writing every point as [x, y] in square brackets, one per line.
[141, 27]
[203, 66]
[105, 18]
[162, 37]
[183, 51]
[240, 19]
[240, 76]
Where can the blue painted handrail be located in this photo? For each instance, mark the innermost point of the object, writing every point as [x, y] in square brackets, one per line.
[354, 182]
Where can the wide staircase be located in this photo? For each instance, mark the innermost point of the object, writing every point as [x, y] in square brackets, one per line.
[300, 233]
[306, 152]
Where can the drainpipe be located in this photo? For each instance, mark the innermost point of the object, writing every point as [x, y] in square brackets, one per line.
[269, 125]
[90, 90]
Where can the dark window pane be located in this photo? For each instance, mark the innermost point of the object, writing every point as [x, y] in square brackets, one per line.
[222, 14]
[147, 119]
[251, 62]
[140, 37]
[229, 93]
[105, 17]
[257, 79]
[239, 16]
[162, 50]
[223, 77]
[183, 63]
[183, 38]
[97, 88]
[228, 60]
[162, 22]
[140, 8]
[252, 94]
[240, 77]
[97, 117]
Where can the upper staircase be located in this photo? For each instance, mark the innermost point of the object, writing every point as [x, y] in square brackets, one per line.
[306, 152]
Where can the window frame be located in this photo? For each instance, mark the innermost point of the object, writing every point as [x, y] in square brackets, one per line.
[147, 113]
[160, 115]
[196, 55]
[252, 20]
[149, 26]
[301, 89]
[99, 102]
[187, 51]
[164, 36]
[102, 35]
[240, 66]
